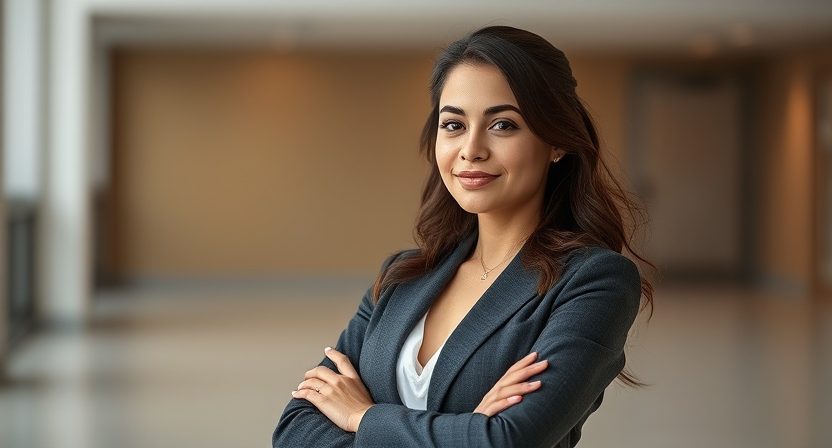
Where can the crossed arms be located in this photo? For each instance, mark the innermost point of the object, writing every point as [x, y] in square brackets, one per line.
[583, 340]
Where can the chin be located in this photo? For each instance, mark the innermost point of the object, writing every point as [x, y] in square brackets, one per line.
[473, 211]
[475, 207]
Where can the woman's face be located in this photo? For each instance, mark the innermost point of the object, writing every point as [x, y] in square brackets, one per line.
[481, 129]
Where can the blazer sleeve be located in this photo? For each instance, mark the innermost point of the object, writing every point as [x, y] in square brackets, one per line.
[584, 343]
[301, 423]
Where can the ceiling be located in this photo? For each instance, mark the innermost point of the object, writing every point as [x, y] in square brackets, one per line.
[702, 26]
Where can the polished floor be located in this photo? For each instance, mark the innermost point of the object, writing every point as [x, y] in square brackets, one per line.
[213, 367]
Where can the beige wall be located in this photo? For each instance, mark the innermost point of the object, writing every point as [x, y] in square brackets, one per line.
[603, 84]
[259, 163]
[786, 121]
[787, 129]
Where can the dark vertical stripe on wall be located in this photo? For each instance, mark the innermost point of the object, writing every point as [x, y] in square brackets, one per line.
[751, 163]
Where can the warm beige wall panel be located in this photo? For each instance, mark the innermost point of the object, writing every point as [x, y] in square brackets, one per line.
[603, 83]
[263, 163]
[786, 146]
[254, 163]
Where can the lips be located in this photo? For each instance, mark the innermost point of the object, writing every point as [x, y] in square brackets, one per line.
[472, 180]
[475, 174]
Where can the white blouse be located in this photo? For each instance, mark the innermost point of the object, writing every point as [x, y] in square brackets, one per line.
[413, 379]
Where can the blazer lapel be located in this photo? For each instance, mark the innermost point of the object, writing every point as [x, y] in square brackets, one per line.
[514, 287]
[406, 305]
[411, 300]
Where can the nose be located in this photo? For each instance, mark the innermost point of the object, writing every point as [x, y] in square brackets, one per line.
[473, 148]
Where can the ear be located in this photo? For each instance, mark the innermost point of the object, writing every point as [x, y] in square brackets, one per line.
[555, 153]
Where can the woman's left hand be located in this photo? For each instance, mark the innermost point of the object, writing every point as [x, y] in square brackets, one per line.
[343, 398]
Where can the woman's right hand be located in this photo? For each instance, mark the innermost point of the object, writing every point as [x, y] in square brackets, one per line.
[510, 389]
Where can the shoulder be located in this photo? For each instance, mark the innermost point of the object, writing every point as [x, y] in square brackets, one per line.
[598, 296]
[595, 259]
[593, 268]
[401, 253]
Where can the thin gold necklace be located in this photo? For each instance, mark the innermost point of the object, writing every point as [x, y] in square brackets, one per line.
[486, 270]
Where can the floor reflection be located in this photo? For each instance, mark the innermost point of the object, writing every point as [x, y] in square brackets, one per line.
[728, 367]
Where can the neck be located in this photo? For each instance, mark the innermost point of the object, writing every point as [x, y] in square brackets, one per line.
[501, 236]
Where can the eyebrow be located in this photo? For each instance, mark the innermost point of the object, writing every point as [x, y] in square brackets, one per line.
[490, 111]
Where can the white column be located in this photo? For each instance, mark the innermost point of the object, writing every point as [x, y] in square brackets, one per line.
[4, 298]
[23, 86]
[64, 241]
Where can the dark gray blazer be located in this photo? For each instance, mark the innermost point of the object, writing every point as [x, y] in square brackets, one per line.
[580, 325]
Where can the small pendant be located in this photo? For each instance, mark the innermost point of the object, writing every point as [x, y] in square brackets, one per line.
[484, 276]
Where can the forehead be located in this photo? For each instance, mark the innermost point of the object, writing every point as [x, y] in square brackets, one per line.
[476, 87]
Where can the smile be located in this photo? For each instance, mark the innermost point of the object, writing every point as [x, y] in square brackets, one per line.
[474, 183]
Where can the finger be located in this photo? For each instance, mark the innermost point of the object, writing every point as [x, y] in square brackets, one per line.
[519, 365]
[342, 362]
[525, 373]
[314, 384]
[323, 372]
[501, 405]
[310, 396]
[523, 362]
[518, 389]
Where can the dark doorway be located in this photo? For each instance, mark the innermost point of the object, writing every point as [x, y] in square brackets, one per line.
[688, 159]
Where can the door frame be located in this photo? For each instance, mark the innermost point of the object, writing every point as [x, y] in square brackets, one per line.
[742, 73]
[821, 288]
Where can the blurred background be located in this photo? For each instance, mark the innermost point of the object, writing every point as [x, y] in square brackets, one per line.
[197, 194]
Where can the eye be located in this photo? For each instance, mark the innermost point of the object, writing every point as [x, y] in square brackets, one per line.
[504, 125]
[450, 125]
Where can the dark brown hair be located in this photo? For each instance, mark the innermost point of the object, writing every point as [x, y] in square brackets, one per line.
[583, 201]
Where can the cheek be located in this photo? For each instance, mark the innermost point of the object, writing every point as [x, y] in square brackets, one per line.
[444, 158]
[529, 170]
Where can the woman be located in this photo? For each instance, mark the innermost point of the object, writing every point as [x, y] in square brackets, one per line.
[519, 260]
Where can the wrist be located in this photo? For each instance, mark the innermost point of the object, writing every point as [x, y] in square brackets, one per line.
[355, 420]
